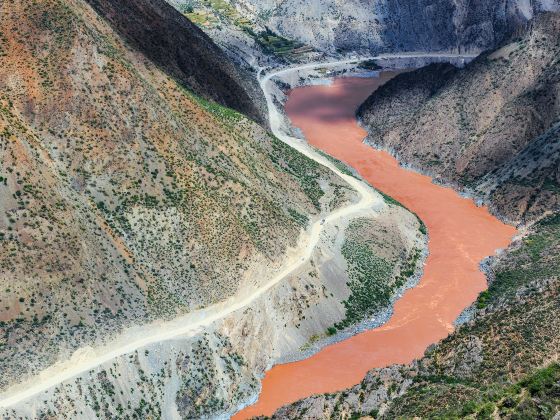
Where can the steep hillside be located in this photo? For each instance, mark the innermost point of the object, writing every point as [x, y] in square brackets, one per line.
[491, 128]
[183, 51]
[127, 200]
[495, 124]
[125, 197]
[337, 26]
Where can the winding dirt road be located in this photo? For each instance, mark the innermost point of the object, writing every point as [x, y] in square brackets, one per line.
[86, 359]
[89, 358]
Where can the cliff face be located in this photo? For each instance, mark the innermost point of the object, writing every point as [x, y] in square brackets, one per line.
[392, 25]
[491, 127]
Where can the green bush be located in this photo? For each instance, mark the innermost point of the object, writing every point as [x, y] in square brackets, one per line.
[331, 331]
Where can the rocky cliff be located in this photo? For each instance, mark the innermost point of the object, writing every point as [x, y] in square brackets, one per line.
[338, 26]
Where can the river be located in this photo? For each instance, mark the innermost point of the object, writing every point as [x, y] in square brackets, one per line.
[461, 235]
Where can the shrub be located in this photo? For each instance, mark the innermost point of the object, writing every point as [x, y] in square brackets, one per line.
[331, 331]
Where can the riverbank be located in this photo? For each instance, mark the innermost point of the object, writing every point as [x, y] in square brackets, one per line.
[461, 235]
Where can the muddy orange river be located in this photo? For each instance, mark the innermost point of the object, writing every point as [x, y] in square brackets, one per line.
[461, 235]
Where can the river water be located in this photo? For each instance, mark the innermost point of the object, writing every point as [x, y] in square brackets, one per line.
[461, 235]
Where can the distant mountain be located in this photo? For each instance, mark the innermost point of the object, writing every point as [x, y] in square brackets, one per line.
[375, 25]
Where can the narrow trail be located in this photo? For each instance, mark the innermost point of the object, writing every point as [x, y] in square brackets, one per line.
[88, 358]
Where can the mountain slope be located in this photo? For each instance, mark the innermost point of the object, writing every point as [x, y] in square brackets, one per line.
[184, 52]
[387, 25]
[124, 196]
[503, 363]
[492, 127]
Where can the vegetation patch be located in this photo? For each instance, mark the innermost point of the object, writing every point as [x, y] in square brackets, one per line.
[303, 169]
[211, 14]
[370, 65]
[370, 277]
[373, 279]
[300, 219]
[274, 43]
[340, 165]
[535, 396]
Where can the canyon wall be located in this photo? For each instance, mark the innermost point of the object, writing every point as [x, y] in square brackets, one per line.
[131, 196]
[390, 25]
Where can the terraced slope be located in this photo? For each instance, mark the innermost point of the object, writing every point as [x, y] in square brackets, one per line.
[125, 197]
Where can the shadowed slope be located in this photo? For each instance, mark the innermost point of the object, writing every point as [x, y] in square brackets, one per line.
[181, 49]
